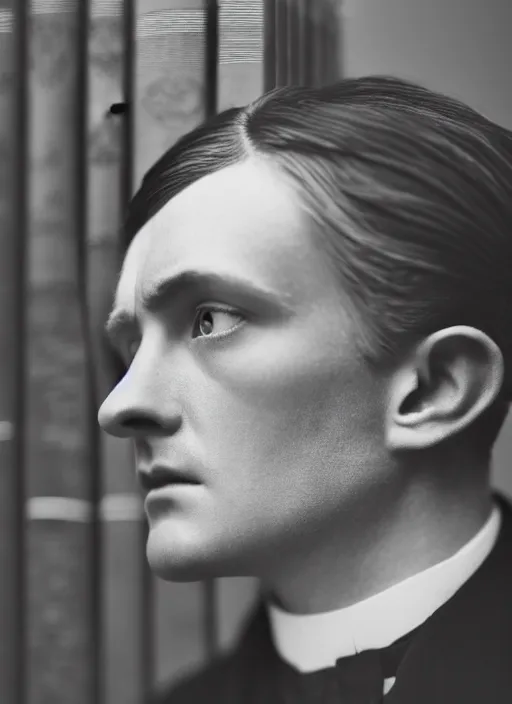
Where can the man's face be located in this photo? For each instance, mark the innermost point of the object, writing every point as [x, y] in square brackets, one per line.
[251, 383]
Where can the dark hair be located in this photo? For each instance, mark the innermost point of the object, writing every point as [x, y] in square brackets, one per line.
[410, 192]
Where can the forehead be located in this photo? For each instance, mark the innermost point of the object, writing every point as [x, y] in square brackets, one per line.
[125, 290]
[242, 220]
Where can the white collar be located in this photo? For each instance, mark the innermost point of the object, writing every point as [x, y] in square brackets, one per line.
[315, 641]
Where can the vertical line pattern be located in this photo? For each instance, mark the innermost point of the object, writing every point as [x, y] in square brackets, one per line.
[302, 29]
[127, 171]
[290, 11]
[334, 41]
[211, 56]
[60, 557]
[148, 639]
[20, 226]
[281, 42]
[94, 449]
[301, 47]
[301, 42]
[294, 76]
[269, 45]
[309, 48]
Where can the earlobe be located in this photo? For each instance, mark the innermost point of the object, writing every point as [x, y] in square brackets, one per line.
[450, 379]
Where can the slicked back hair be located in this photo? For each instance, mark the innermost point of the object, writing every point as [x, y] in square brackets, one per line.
[409, 195]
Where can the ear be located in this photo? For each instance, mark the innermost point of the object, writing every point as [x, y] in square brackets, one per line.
[444, 385]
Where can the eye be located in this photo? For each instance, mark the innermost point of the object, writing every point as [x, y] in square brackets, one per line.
[211, 321]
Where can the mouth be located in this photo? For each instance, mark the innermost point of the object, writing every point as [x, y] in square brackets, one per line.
[160, 477]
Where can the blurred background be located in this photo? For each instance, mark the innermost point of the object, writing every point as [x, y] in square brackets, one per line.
[91, 93]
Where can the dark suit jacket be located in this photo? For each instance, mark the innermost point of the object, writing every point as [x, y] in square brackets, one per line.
[461, 655]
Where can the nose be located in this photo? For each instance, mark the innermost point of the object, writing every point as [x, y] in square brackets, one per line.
[131, 413]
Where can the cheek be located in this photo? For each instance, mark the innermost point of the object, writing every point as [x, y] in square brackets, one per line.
[268, 417]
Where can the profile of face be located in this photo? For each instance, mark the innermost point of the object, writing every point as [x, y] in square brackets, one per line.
[244, 376]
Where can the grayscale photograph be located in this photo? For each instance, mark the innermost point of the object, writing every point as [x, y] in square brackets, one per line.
[255, 352]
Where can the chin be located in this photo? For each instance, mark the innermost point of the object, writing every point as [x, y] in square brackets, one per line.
[172, 571]
[179, 558]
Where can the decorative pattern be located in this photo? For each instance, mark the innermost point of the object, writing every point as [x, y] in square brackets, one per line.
[174, 97]
[241, 31]
[51, 48]
[71, 272]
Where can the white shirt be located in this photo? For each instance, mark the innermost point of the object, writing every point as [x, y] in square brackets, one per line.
[310, 642]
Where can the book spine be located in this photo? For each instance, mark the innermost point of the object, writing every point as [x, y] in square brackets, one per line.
[12, 255]
[61, 474]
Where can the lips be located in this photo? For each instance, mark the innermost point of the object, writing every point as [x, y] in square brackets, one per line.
[158, 477]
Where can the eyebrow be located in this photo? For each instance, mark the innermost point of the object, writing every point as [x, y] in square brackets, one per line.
[159, 294]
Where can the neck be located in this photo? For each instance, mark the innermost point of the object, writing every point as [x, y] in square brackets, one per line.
[385, 539]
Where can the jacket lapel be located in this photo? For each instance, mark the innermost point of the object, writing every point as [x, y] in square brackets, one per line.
[463, 653]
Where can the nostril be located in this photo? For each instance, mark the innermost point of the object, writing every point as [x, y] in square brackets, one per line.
[138, 424]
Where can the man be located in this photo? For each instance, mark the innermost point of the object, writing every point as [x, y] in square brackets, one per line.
[314, 317]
